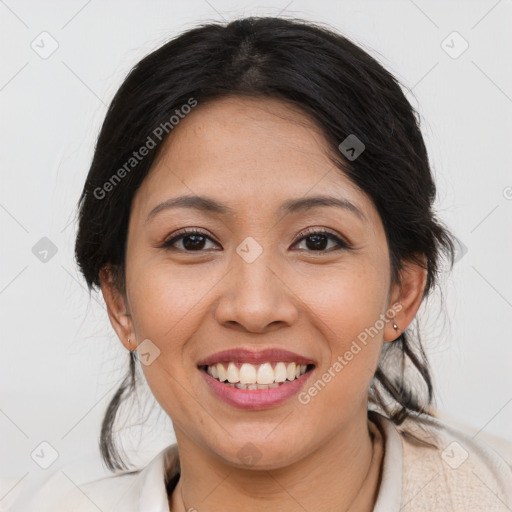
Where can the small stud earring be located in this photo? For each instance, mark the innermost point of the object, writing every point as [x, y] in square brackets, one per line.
[395, 327]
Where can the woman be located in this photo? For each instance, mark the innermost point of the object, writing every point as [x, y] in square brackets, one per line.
[259, 218]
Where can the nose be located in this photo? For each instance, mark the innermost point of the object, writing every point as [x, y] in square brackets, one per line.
[256, 298]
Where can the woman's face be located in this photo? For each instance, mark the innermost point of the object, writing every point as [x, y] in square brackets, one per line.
[254, 288]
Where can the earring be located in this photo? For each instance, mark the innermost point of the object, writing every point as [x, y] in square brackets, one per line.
[395, 327]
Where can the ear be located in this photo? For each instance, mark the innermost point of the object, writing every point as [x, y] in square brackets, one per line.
[406, 297]
[117, 307]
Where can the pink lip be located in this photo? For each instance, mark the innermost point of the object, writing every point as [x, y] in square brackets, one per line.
[259, 357]
[255, 399]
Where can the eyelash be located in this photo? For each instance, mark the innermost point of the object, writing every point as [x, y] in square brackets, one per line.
[168, 244]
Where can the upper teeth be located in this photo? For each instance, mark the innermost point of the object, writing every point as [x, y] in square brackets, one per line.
[256, 374]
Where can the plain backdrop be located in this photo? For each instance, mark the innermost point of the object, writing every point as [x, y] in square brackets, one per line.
[62, 62]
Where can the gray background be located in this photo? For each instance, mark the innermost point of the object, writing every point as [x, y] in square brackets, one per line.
[61, 360]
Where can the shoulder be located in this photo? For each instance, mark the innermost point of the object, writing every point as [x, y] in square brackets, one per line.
[63, 491]
[447, 467]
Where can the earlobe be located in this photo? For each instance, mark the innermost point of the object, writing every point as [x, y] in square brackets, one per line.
[392, 329]
[117, 307]
[408, 293]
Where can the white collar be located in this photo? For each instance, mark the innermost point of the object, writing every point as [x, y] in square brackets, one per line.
[147, 492]
[390, 491]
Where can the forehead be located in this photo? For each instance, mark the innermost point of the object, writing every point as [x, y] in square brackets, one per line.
[247, 152]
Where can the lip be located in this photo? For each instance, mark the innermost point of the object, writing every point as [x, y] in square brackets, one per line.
[272, 355]
[256, 399]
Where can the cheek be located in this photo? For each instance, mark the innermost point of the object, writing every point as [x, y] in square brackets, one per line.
[345, 300]
[347, 306]
[167, 308]
[165, 300]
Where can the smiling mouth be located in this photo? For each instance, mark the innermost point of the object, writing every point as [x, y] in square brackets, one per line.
[256, 376]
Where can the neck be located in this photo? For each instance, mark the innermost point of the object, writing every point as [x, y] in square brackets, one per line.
[332, 477]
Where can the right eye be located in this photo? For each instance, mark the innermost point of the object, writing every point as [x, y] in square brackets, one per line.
[192, 240]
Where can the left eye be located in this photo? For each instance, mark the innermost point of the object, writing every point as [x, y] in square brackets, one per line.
[195, 241]
[319, 240]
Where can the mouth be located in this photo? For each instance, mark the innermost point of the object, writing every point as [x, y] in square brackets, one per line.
[255, 380]
[249, 376]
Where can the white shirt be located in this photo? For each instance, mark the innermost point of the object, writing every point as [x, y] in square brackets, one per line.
[458, 474]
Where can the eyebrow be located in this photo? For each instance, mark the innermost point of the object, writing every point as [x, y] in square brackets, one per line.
[207, 204]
